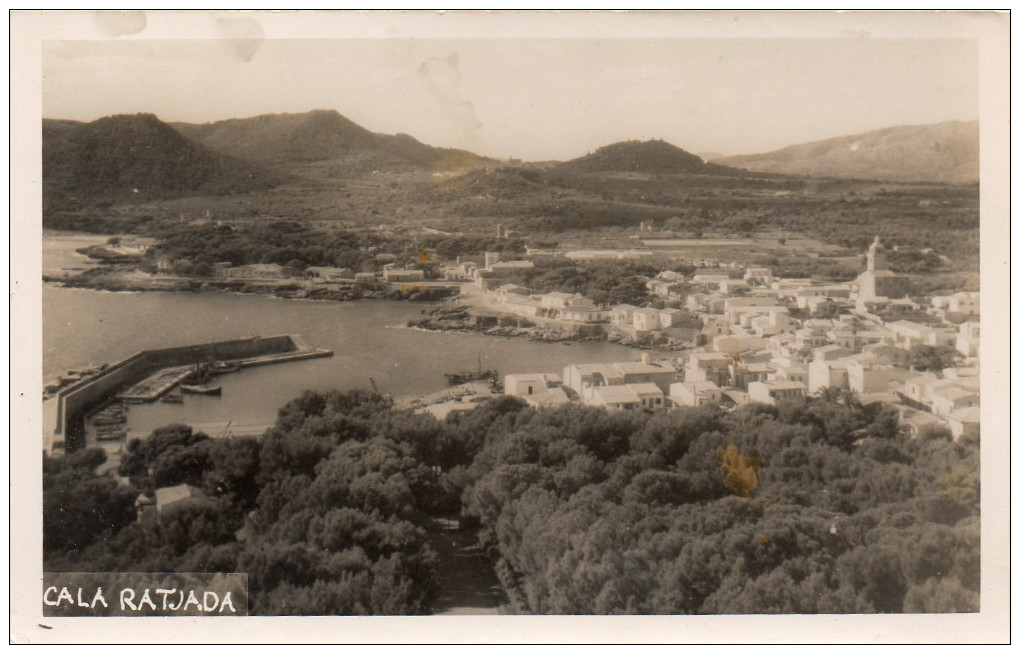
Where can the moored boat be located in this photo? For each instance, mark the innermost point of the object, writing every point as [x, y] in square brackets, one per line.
[172, 397]
[109, 421]
[459, 378]
[225, 367]
[111, 434]
[200, 389]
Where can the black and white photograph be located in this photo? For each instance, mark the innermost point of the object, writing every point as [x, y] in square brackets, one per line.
[474, 315]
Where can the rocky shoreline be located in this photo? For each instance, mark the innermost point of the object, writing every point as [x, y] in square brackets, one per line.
[117, 279]
[458, 317]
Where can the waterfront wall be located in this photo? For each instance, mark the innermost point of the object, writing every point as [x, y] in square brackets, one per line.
[74, 402]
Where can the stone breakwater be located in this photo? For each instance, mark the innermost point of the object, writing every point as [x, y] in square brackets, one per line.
[77, 400]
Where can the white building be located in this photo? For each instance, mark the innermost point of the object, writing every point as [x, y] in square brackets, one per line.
[945, 402]
[639, 396]
[867, 373]
[736, 344]
[708, 366]
[622, 314]
[583, 314]
[773, 393]
[585, 377]
[958, 306]
[964, 419]
[671, 317]
[761, 275]
[403, 275]
[968, 340]
[910, 334]
[731, 285]
[714, 325]
[646, 319]
[828, 373]
[539, 390]
[692, 393]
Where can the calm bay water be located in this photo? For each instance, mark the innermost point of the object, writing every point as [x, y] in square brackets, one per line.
[84, 327]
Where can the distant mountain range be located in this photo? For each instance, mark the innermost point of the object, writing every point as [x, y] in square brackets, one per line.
[137, 158]
[944, 152]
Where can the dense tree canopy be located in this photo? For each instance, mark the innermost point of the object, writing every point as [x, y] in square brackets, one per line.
[824, 506]
[813, 506]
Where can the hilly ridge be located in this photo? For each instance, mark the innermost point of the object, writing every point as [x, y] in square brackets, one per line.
[312, 136]
[136, 158]
[315, 136]
[943, 152]
[643, 156]
[321, 166]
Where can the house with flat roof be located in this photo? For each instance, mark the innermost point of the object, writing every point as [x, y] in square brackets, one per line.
[946, 401]
[403, 275]
[708, 366]
[537, 389]
[695, 393]
[774, 393]
[968, 339]
[583, 314]
[868, 373]
[736, 344]
[646, 319]
[638, 396]
[828, 373]
[265, 271]
[583, 378]
[910, 334]
[963, 420]
[622, 314]
[742, 374]
[957, 307]
[173, 498]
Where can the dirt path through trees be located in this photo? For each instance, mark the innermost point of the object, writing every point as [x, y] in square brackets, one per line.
[468, 585]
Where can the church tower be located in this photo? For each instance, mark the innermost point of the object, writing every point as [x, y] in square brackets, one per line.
[878, 281]
[876, 256]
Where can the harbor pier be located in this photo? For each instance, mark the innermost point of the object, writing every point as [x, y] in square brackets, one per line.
[76, 401]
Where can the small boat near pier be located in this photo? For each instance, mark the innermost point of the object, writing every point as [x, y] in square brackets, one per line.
[213, 390]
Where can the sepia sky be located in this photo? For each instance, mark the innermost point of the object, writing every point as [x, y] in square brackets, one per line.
[532, 99]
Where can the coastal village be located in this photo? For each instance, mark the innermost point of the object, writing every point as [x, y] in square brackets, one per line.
[751, 337]
[727, 333]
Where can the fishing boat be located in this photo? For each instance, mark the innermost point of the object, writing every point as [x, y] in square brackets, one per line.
[459, 378]
[200, 389]
[199, 376]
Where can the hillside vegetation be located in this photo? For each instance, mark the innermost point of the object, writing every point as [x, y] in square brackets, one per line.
[136, 159]
[137, 174]
[944, 152]
[643, 156]
[316, 136]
